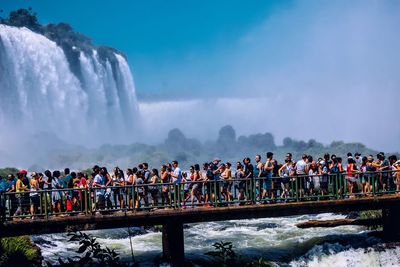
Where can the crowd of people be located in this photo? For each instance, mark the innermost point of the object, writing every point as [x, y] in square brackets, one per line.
[213, 183]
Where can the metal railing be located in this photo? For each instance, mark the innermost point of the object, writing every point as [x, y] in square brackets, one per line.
[212, 193]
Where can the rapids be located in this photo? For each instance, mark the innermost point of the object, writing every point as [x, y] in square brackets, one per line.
[275, 239]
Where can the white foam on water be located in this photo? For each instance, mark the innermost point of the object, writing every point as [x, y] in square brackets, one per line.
[336, 255]
[261, 236]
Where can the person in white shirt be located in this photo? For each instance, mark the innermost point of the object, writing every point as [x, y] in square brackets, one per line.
[176, 175]
[176, 178]
[301, 169]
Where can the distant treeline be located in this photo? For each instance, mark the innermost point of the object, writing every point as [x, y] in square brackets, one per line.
[188, 151]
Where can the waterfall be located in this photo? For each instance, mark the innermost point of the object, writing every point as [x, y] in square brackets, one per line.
[41, 90]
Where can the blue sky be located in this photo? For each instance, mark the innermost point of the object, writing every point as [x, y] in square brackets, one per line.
[230, 48]
[159, 35]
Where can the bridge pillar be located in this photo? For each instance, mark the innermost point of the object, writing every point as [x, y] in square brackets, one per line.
[172, 243]
[391, 223]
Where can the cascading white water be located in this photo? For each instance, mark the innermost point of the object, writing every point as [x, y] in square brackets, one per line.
[275, 239]
[40, 92]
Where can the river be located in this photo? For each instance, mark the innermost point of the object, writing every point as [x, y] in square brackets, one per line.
[275, 239]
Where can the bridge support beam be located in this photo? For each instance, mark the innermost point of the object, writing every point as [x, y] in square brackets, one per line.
[173, 243]
[391, 222]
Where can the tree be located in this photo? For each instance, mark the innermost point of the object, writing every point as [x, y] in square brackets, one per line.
[226, 135]
[257, 142]
[336, 144]
[312, 143]
[287, 142]
[175, 138]
[23, 18]
[263, 141]
[300, 146]
[226, 140]
[177, 141]
[9, 170]
[181, 157]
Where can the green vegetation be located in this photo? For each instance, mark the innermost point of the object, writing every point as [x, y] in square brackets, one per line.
[22, 18]
[371, 214]
[19, 251]
[8, 170]
[93, 254]
[225, 256]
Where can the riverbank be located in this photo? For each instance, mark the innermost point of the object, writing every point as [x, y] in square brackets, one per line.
[19, 251]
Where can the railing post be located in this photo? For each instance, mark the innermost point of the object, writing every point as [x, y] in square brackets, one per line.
[337, 185]
[133, 198]
[252, 190]
[85, 198]
[373, 185]
[179, 196]
[215, 193]
[175, 189]
[46, 212]
[297, 187]
[90, 202]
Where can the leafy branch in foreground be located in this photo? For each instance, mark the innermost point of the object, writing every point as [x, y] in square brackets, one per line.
[224, 255]
[93, 253]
